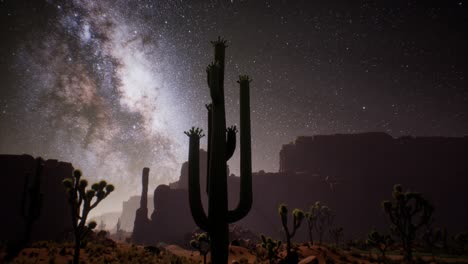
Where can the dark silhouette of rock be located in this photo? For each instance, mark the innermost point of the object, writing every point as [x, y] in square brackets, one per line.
[182, 183]
[171, 219]
[352, 174]
[31, 201]
[141, 224]
[129, 208]
[53, 222]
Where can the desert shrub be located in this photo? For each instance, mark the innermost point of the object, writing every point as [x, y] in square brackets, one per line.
[272, 247]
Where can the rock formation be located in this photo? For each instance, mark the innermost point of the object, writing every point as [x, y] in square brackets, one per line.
[352, 174]
[141, 224]
[53, 221]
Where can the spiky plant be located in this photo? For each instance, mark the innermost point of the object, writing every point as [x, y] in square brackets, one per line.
[82, 201]
[311, 218]
[408, 212]
[298, 216]
[272, 247]
[323, 218]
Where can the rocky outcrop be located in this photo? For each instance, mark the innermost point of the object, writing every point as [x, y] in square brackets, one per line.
[171, 221]
[54, 220]
[182, 183]
[350, 173]
[129, 208]
[141, 224]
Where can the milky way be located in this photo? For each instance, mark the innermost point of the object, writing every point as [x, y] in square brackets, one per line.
[110, 86]
[100, 86]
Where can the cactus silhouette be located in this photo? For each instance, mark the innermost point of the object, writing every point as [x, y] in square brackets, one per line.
[81, 202]
[321, 217]
[272, 247]
[408, 212]
[31, 202]
[311, 218]
[221, 146]
[298, 216]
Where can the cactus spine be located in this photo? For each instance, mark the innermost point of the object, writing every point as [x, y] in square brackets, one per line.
[221, 146]
[31, 202]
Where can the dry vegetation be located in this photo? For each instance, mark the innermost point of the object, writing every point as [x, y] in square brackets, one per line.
[50, 252]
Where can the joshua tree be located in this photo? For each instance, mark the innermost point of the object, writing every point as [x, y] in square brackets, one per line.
[31, 202]
[408, 212]
[323, 218]
[311, 218]
[202, 244]
[298, 216]
[336, 234]
[221, 146]
[272, 247]
[379, 241]
[81, 202]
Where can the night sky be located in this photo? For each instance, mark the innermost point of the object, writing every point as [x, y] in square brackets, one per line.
[111, 85]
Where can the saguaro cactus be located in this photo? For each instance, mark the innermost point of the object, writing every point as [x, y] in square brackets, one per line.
[221, 146]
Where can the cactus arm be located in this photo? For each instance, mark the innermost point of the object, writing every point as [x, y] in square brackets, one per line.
[196, 206]
[298, 216]
[230, 141]
[209, 107]
[246, 197]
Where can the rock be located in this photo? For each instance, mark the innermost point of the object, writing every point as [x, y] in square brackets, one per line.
[309, 260]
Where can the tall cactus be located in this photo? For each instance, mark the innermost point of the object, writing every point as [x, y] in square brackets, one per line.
[221, 146]
[31, 202]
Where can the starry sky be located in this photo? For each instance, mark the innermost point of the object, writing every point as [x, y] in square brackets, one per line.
[111, 85]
